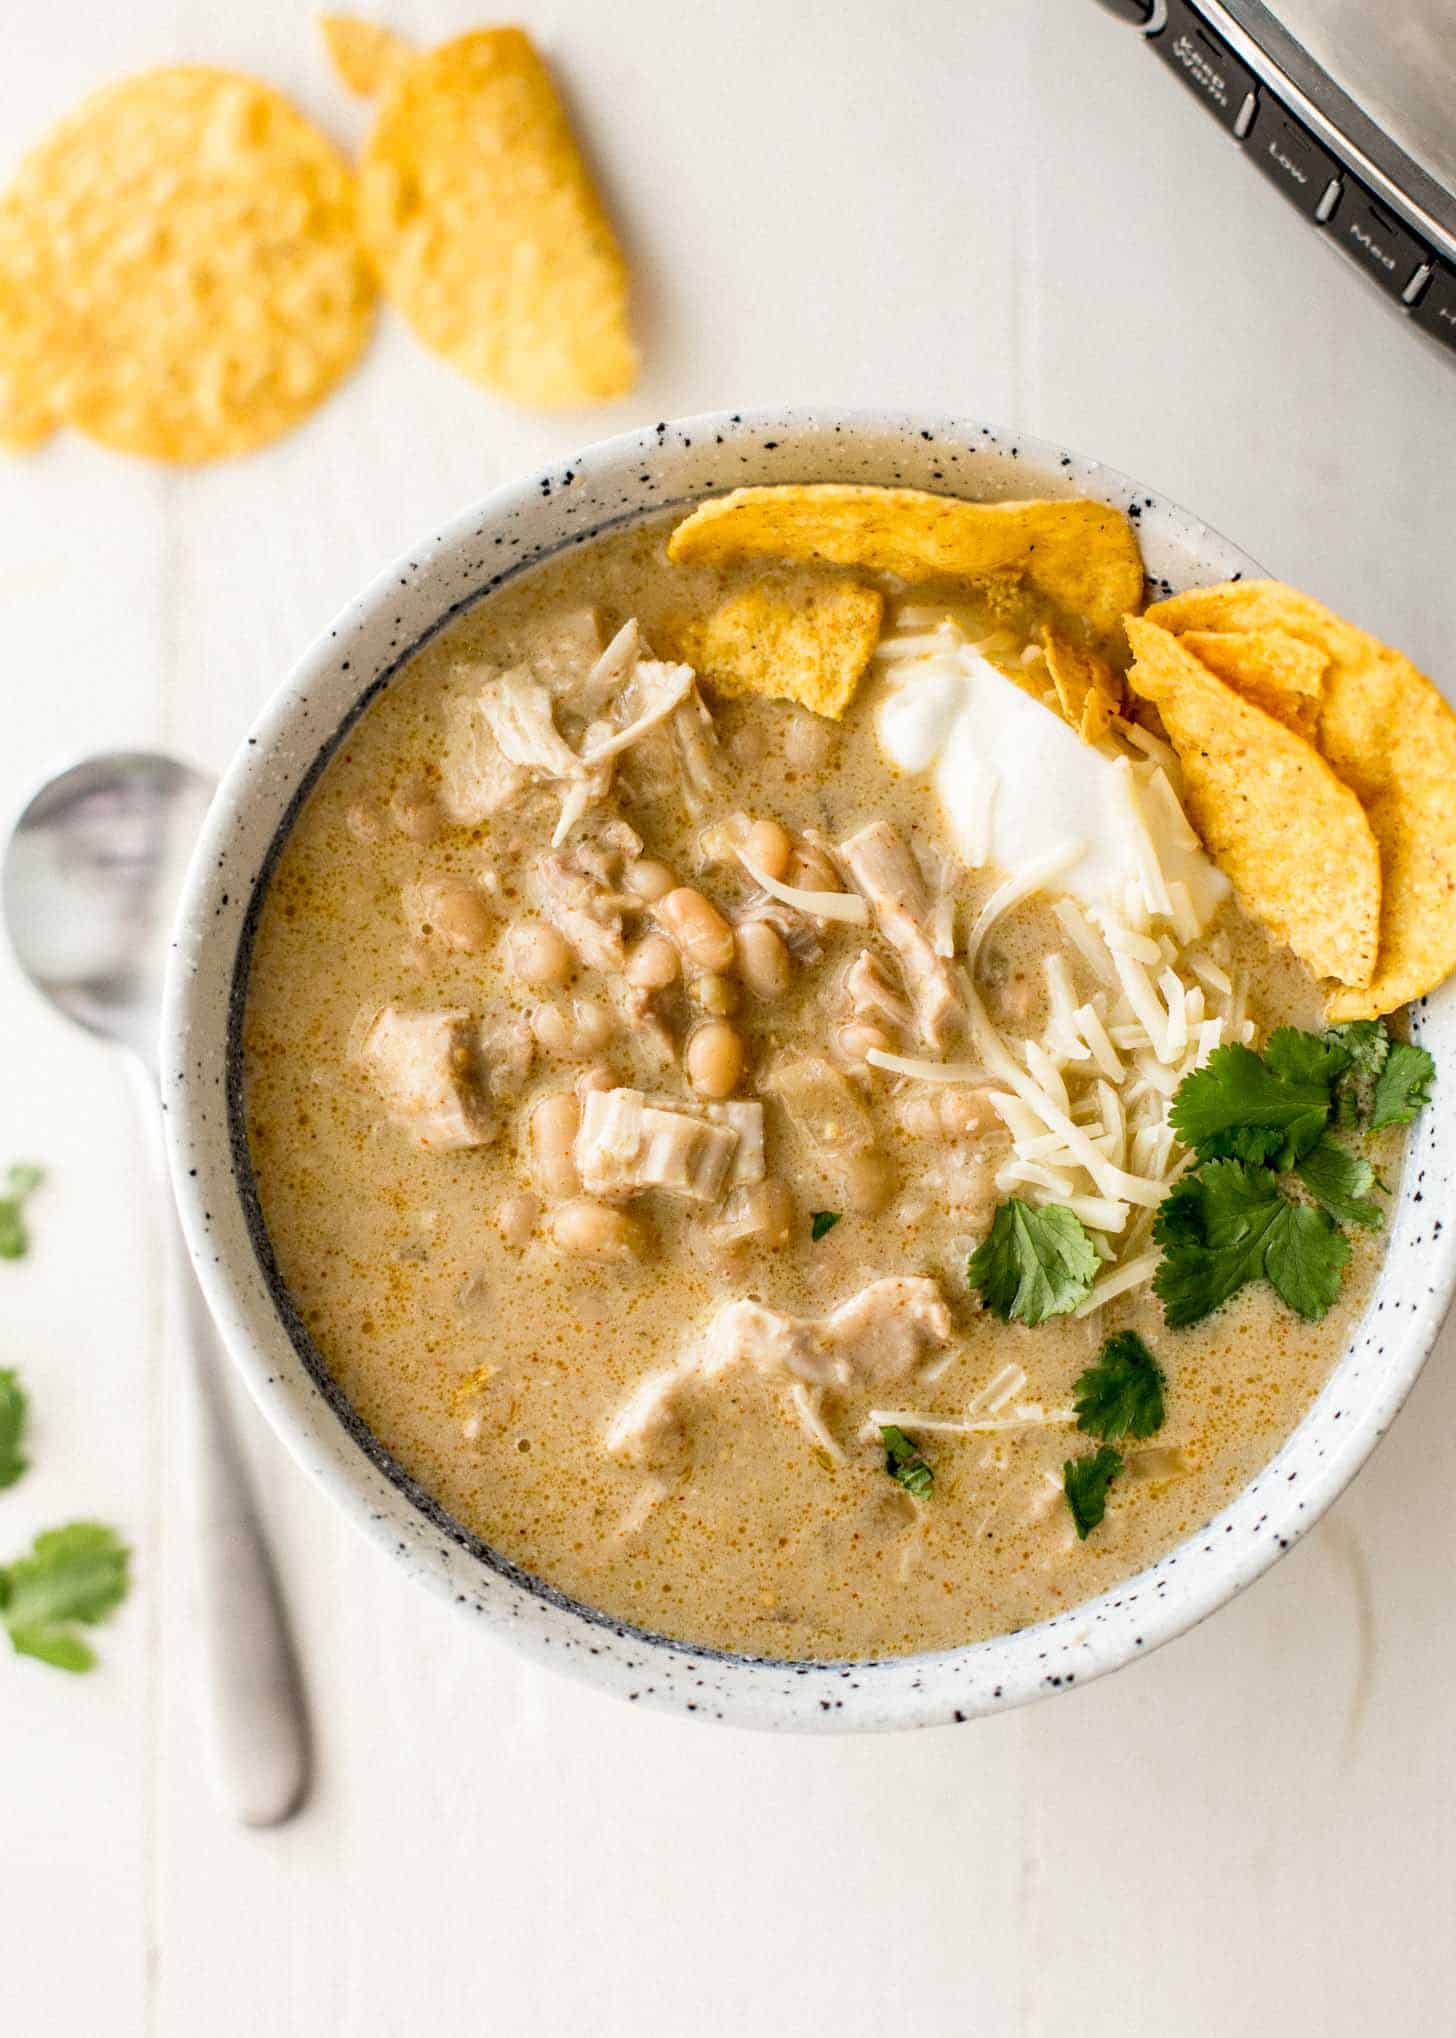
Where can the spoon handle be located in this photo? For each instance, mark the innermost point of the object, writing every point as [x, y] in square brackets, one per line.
[259, 1718]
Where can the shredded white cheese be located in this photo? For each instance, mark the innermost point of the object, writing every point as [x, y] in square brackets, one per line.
[846, 906]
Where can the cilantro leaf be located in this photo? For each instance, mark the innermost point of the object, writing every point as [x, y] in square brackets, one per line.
[1122, 1393]
[20, 1179]
[1403, 1085]
[904, 1462]
[12, 1426]
[1342, 1182]
[1085, 1482]
[73, 1574]
[1367, 1042]
[1227, 1224]
[1250, 1107]
[1305, 1259]
[821, 1221]
[1033, 1264]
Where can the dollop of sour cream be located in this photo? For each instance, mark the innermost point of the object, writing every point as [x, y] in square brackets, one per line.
[1020, 788]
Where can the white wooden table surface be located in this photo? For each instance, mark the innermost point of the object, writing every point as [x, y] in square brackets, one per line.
[998, 207]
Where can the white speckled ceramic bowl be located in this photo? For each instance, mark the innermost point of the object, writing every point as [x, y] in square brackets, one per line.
[674, 465]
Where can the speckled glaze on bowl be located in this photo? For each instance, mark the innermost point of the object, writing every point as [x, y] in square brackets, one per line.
[673, 465]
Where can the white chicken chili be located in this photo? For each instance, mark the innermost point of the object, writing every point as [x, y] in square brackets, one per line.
[722, 1152]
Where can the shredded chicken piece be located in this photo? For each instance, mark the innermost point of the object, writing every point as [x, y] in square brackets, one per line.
[799, 933]
[429, 1070]
[585, 910]
[871, 994]
[611, 669]
[821, 1105]
[692, 729]
[476, 780]
[629, 1141]
[560, 647]
[518, 713]
[881, 1334]
[887, 874]
[654, 692]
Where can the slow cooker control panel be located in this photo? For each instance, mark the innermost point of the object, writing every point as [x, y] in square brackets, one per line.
[1324, 188]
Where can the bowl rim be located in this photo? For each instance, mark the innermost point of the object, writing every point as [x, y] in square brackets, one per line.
[1200, 1574]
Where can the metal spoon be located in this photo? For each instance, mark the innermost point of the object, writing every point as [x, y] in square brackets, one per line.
[90, 876]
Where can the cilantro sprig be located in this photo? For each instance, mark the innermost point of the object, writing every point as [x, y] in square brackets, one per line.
[1230, 1223]
[1258, 1107]
[1033, 1264]
[1403, 1086]
[822, 1221]
[1254, 1118]
[22, 1179]
[1085, 1482]
[1121, 1394]
[71, 1577]
[904, 1462]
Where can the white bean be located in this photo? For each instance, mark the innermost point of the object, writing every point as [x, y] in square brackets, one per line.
[594, 1025]
[768, 847]
[540, 955]
[596, 1229]
[456, 910]
[808, 740]
[516, 1218]
[414, 809]
[648, 879]
[714, 1059]
[698, 928]
[764, 962]
[553, 1030]
[716, 995]
[554, 1124]
[652, 964]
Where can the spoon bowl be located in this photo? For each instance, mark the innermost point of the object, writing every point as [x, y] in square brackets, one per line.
[90, 881]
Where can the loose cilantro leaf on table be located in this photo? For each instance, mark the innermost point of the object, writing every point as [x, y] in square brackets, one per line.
[904, 1462]
[1403, 1086]
[12, 1426]
[1342, 1182]
[72, 1575]
[1251, 1107]
[1085, 1482]
[1229, 1223]
[21, 1178]
[1121, 1394]
[821, 1221]
[1033, 1264]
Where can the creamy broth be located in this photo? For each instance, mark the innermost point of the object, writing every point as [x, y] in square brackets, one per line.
[493, 1323]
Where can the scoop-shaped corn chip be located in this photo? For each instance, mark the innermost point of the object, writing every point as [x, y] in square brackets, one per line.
[486, 229]
[1389, 735]
[1278, 673]
[1292, 837]
[1089, 692]
[803, 636]
[365, 55]
[180, 275]
[1081, 556]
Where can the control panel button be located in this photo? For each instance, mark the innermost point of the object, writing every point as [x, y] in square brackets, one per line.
[1206, 65]
[1290, 159]
[1435, 309]
[1383, 246]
